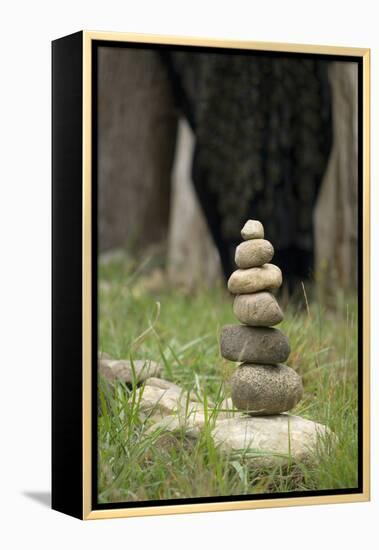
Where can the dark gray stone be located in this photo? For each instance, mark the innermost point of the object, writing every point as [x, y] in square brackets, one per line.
[254, 344]
[270, 441]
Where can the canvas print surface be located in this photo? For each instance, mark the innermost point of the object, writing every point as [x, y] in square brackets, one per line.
[228, 276]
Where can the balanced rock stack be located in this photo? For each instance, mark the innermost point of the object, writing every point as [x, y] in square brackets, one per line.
[261, 385]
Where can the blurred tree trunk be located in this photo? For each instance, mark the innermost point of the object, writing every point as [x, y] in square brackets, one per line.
[193, 259]
[137, 122]
[336, 212]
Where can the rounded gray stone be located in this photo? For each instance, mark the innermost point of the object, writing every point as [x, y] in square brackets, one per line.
[254, 344]
[257, 310]
[265, 389]
[255, 279]
[254, 253]
[253, 229]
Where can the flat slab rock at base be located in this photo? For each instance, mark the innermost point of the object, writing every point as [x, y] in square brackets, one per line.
[190, 419]
[271, 440]
[263, 441]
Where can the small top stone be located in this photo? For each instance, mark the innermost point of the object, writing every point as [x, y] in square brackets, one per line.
[253, 229]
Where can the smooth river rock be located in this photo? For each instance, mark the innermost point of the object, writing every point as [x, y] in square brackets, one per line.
[257, 310]
[254, 344]
[269, 441]
[253, 229]
[255, 279]
[121, 370]
[254, 253]
[265, 389]
[159, 398]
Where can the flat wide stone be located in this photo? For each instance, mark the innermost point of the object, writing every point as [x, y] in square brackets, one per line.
[254, 253]
[265, 389]
[255, 279]
[257, 310]
[254, 344]
[189, 420]
[269, 441]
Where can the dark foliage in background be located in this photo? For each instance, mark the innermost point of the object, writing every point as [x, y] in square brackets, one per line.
[263, 135]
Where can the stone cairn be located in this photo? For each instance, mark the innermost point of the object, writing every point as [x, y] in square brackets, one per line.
[261, 384]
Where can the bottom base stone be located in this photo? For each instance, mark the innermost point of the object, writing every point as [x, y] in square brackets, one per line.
[267, 441]
[264, 441]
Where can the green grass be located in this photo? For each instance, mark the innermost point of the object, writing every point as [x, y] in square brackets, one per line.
[141, 317]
